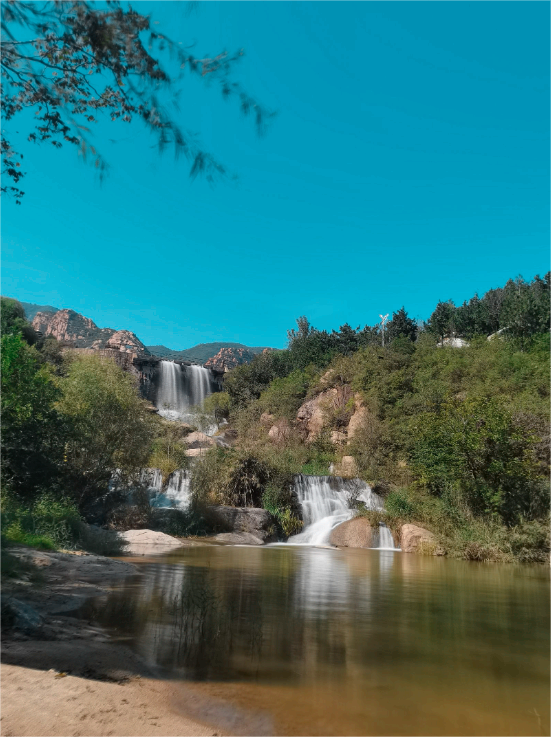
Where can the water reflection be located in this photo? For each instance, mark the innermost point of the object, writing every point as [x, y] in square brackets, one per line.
[371, 642]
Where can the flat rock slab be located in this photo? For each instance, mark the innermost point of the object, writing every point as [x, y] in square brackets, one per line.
[148, 542]
[238, 538]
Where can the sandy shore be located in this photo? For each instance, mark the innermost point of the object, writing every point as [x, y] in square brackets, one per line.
[64, 676]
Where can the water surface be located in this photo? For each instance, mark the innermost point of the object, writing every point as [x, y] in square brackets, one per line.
[346, 642]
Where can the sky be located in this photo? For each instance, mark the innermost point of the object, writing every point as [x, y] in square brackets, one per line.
[408, 162]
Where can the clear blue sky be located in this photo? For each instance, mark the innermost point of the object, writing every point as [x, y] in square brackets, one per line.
[409, 162]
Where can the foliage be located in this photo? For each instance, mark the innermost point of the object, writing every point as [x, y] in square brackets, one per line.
[110, 427]
[33, 432]
[218, 405]
[13, 320]
[70, 61]
[278, 501]
[168, 453]
[50, 522]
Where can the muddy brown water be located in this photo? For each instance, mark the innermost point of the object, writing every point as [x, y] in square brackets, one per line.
[313, 641]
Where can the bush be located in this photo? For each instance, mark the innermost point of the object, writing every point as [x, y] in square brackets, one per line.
[51, 522]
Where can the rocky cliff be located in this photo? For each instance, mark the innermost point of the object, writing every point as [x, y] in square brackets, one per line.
[228, 358]
[78, 331]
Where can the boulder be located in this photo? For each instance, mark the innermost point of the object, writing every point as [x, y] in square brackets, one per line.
[148, 542]
[347, 468]
[20, 616]
[358, 418]
[414, 539]
[195, 452]
[258, 523]
[279, 432]
[198, 440]
[238, 538]
[355, 533]
[338, 438]
[267, 419]
[312, 415]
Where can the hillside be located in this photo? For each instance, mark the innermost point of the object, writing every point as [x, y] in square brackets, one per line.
[198, 353]
[31, 309]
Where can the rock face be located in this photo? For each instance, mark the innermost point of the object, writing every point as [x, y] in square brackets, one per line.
[198, 440]
[313, 415]
[148, 542]
[256, 523]
[355, 533]
[414, 539]
[78, 331]
[347, 468]
[228, 358]
[279, 432]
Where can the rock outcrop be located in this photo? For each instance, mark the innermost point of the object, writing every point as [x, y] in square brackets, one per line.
[355, 533]
[198, 440]
[147, 542]
[347, 468]
[256, 523]
[73, 329]
[228, 358]
[414, 539]
[317, 413]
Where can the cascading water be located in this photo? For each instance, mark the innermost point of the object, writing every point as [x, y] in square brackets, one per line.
[176, 494]
[325, 503]
[386, 541]
[179, 389]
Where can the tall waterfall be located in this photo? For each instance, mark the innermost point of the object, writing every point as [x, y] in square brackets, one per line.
[180, 389]
[177, 492]
[325, 504]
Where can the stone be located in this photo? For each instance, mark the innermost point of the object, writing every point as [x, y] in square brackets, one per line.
[195, 452]
[347, 468]
[414, 539]
[359, 417]
[279, 432]
[228, 358]
[267, 419]
[198, 440]
[355, 533]
[148, 542]
[238, 538]
[251, 520]
[18, 615]
[338, 438]
[312, 416]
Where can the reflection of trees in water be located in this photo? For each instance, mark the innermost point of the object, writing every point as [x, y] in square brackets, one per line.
[287, 615]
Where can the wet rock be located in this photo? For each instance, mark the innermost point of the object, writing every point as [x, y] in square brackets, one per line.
[20, 616]
[238, 538]
[355, 533]
[257, 522]
[147, 542]
[414, 539]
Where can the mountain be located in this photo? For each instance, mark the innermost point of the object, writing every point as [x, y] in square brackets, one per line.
[31, 309]
[68, 326]
[200, 353]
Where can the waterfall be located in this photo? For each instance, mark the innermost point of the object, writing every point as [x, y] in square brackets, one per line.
[176, 494]
[180, 389]
[386, 541]
[325, 503]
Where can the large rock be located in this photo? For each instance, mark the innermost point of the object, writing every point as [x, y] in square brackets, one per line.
[279, 432]
[20, 616]
[238, 538]
[347, 468]
[199, 440]
[358, 418]
[256, 522]
[148, 542]
[312, 416]
[228, 358]
[414, 539]
[355, 533]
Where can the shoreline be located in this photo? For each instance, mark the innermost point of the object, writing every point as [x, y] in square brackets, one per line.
[66, 676]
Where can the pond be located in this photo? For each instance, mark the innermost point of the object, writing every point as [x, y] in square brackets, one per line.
[345, 642]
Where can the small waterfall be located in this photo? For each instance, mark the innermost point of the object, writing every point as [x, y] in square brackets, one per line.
[179, 389]
[325, 503]
[386, 541]
[176, 494]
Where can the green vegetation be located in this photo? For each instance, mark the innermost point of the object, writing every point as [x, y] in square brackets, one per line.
[456, 439]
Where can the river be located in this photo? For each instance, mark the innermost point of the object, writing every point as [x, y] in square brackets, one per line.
[312, 641]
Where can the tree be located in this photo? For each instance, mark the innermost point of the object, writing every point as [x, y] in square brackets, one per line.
[33, 433]
[402, 326]
[441, 322]
[110, 428]
[14, 321]
[69, 60]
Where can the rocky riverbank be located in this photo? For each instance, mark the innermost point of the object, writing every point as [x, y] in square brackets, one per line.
[64, 676]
